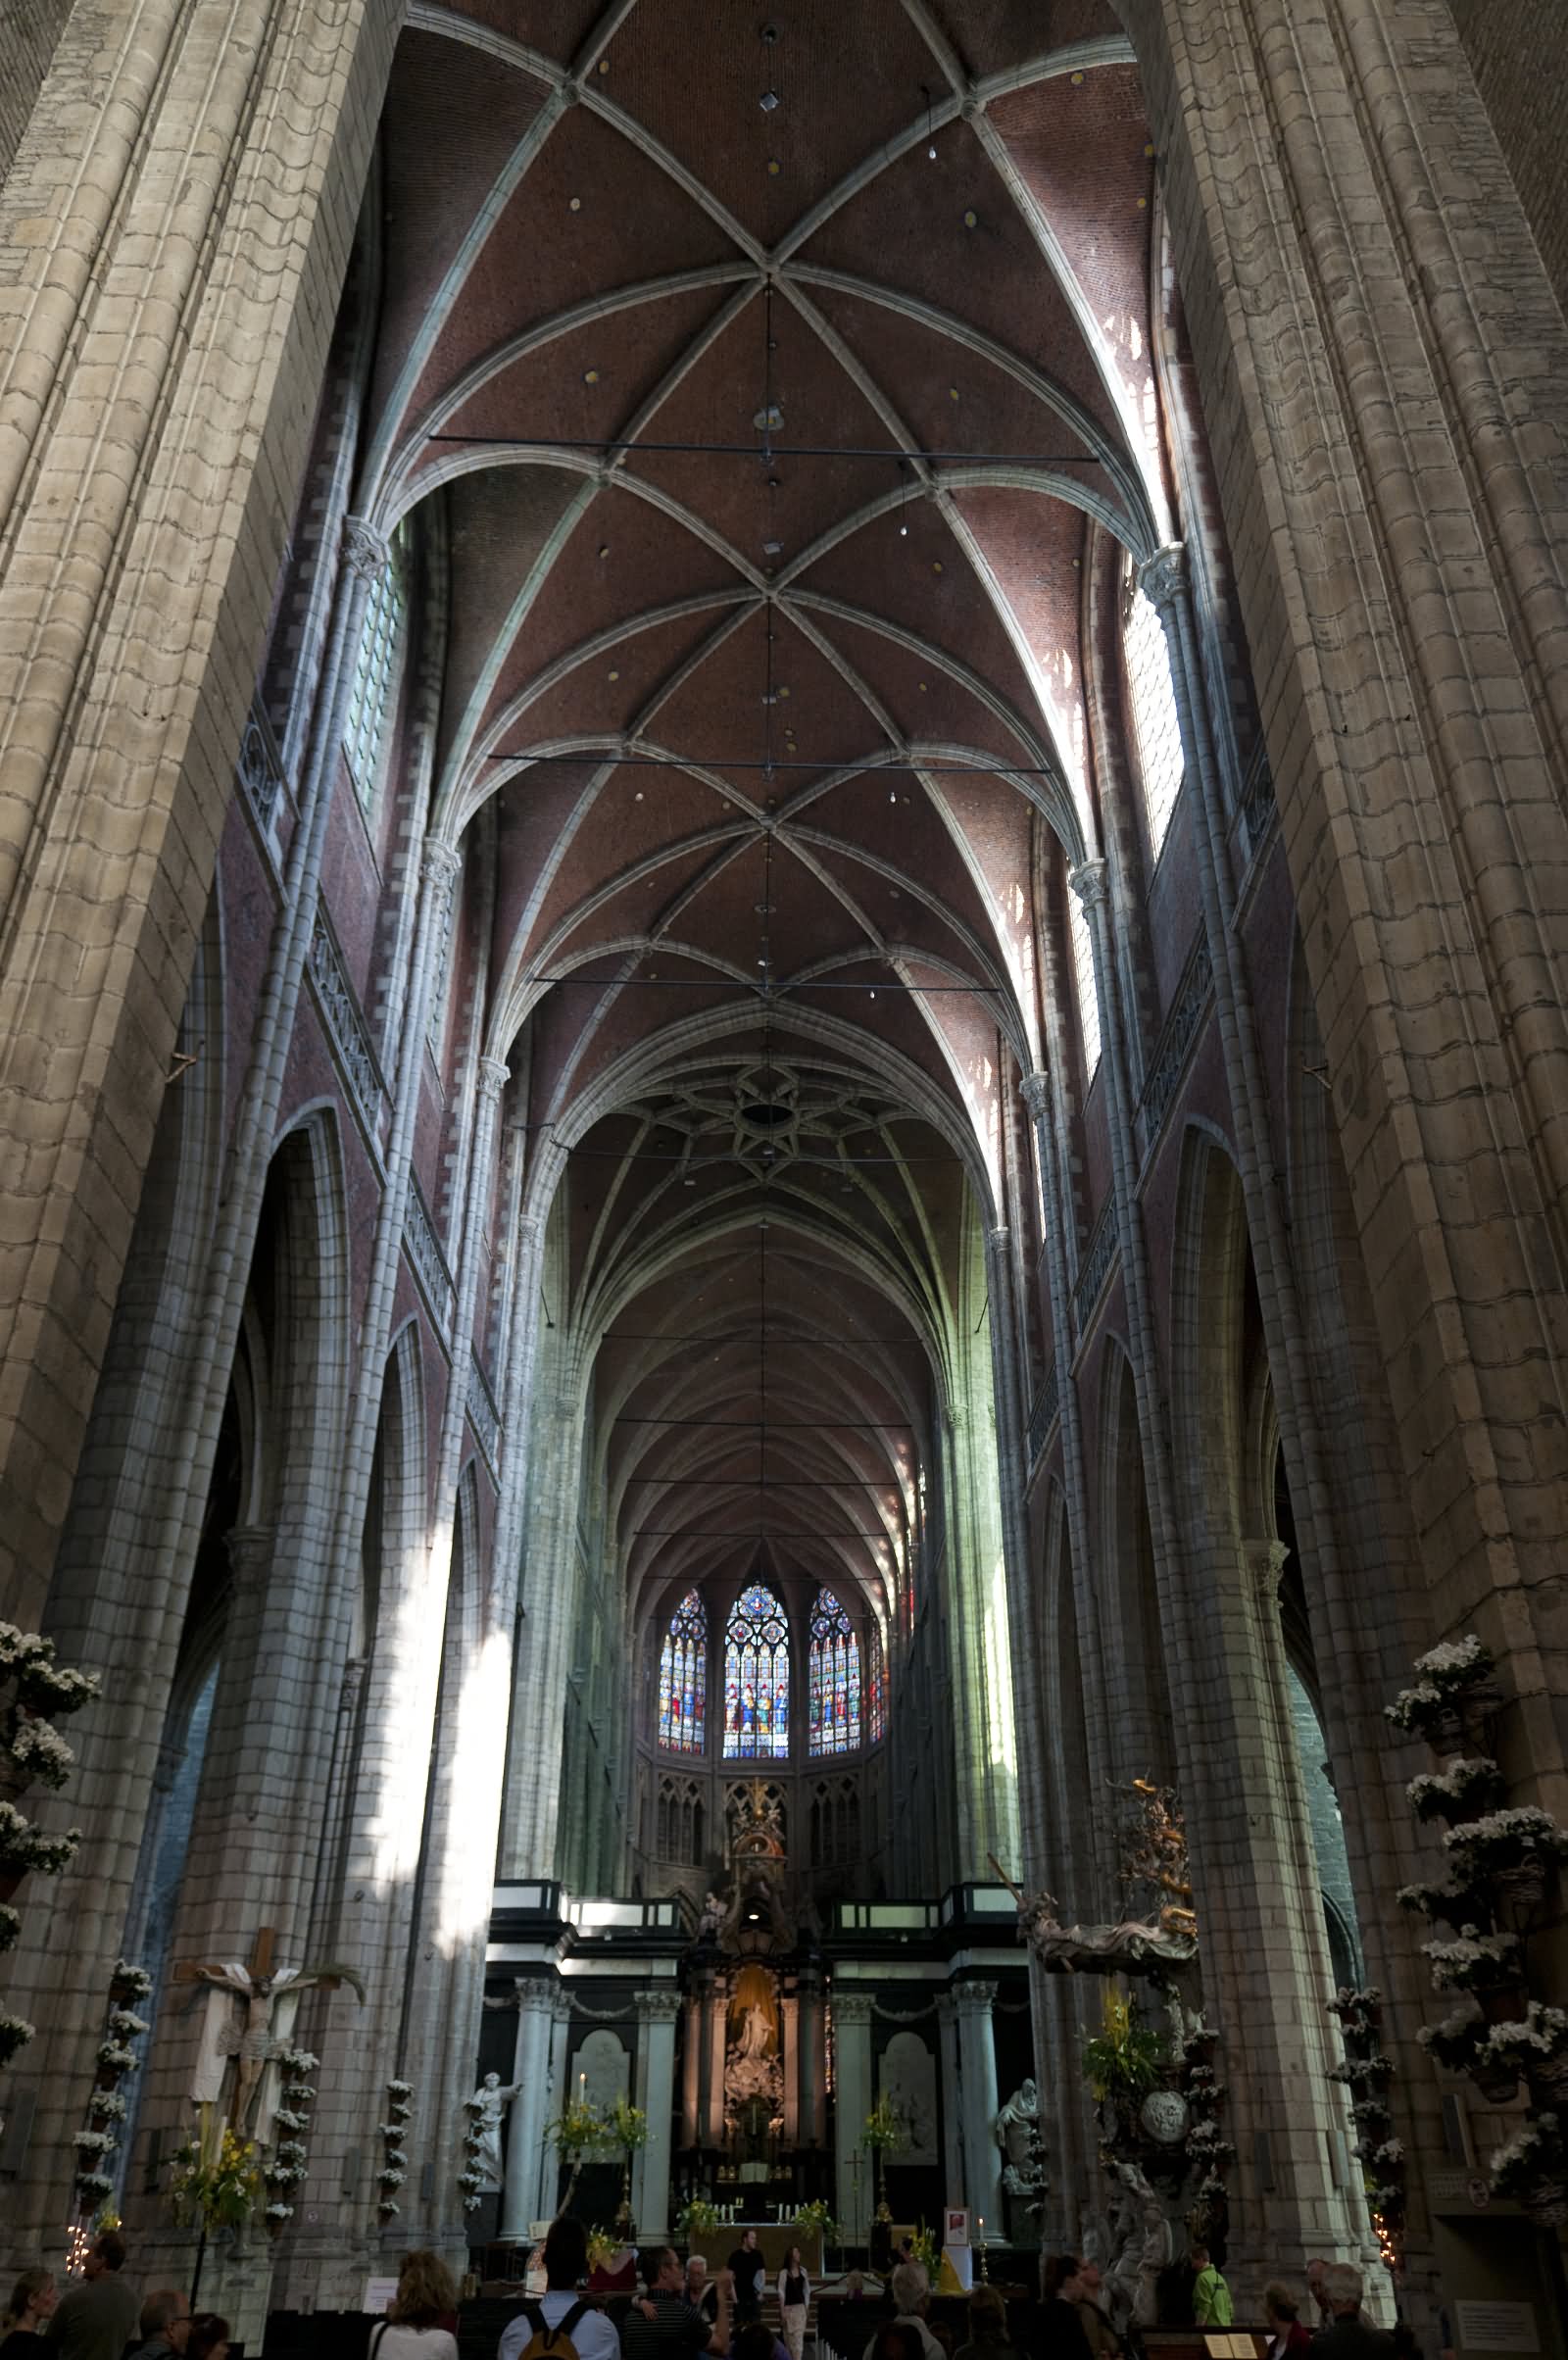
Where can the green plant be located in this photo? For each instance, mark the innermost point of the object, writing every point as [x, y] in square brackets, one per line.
[882, 2129]
[926, 2251]
[576, 2128]
[601, 2248]
[625, 2125]
[696, 2217]
[816, 2215]
[217, 2178]
[1127, 2057]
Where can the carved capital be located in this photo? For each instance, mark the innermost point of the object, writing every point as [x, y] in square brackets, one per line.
[1034, 1091]
[659, 2006]
[1090, 882]
[534, 1997]
[1268, 1560]
[441, 862]
[365, 551]
[1000, 1239]
[973, 2000]
[1163, 577]
[250, 1551]
[850, 2007]
[531, 1231]
[494, 1075]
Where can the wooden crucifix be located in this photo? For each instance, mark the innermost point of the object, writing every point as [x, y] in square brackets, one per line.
[244, 2037]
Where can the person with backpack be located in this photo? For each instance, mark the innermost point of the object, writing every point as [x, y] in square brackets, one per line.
[666, 2327]
[560, 2325]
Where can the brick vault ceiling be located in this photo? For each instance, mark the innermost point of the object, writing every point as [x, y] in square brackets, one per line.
[774, 364]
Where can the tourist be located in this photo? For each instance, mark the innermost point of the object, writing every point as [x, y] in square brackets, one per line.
[1347, 2336]
[414, 2328]
[561, 2307]
[757, 2342]
[911, 2289]
[988, 2337]
[1061, 2330]
[32, 2301]
[701, 2292]
[97, 2316]
[667, 2324]
[794, 2300]
[1285, 2329]
[1211, 2297]
[1103, 2341]
[209, 2338]
[165, 2323]
[747, 2269]
[896, 2339]
[1317, 2271]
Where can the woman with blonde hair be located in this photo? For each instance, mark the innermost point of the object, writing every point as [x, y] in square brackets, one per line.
[32, 2301]
[412, 2330]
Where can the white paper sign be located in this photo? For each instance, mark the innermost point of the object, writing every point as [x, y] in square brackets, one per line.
[1498, 2326]
[380, 2295]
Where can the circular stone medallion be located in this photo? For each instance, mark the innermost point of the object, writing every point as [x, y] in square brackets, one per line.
[1163, 2115]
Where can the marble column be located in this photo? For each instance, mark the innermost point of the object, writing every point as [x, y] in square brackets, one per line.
[656, 2011]
[789, 2011]
[555, 2098]
[810, 2111]
[691, 2107]
[716, 2003]
[525, 2122]
[952, 2096]
[852, 2103]
[977, 2073]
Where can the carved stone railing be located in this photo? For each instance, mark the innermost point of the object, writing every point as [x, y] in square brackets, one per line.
[425, 1255]
[346, 1028]
[1094, 1267]
[1044, 1412]
[1259, 811]
[483, 1415]
[1176, 1038]
[261, 771]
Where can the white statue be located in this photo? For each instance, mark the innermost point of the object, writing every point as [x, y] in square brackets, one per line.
[757, 2032]
[1148, 2234]
[486, 2107]
[1017, 2133]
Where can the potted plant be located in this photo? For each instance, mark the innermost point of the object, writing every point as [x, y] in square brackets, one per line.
[626, 2127]
[1460, 2043]
[1452, 1694]
[1471, 1783]
[1515, 1850]
[1536, 2046]
[882, 2132]
[1533, 2169]
[696, 2217]
[576, 2128]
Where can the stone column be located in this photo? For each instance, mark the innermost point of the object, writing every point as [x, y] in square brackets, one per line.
[555, 2098]
[952, 2096]
[811, 2107]
[852, 2103]
[717, 2006]
[656, 2011]
[977, 2076]
[525, 2123]
[790, 2060]
[691, 2101]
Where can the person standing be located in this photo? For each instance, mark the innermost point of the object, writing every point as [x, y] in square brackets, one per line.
[794, 2301]
[209, 2338]
[560, 2308]
[747, 2269]
[412, 2330]
[166, 2324]
[1061, 2330]
[1103, 2341]
[1286, 2336]
[32, 2303]
[1347, 2336]
[1211, 2297]
[666, 2327]
[97, 2316]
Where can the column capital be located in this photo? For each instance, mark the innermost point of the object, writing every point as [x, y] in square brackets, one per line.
[850, 2007]
[1034, 1091]
[250, 1550]
[1162, 577]
[530, 1230]
[364, 550]
[1000, 1239]
[534, 1997]
[1266, 1560]
[974, 1998]
[494, 1075]
[561, 2008]
[659, 2007]
[1090, 882]
[440, 861]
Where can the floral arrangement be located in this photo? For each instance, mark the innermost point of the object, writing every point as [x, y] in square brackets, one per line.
[883, 2128]
[286, 2166]
[626, 2126]
[817, 2216]
[926, 2251]
[217, 2179]
[576, 2128]
[603, 2247]
[97, 2140]
[1367, 2071]
[32, 1754]
[395, 2155]
[1500, 1858]
[470, 2178]
[697, 2216]
[1207, 2148]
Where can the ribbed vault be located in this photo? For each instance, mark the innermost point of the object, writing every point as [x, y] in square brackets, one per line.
[774, 371]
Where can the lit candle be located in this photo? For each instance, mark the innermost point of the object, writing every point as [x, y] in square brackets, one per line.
[982, 2225]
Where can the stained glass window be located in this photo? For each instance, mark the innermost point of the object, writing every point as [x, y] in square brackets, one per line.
[1155, 726]
[835, 1677]
[875, 1690]
[757, 1677]
[683, 1678]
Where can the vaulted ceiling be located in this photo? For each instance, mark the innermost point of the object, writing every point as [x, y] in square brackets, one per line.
[777, 363]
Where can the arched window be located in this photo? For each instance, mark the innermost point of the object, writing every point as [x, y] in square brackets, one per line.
[1156, 727]
[683, 1678]
[876, 1700]
[1083, 984]
[757, 1677]
[375, 667]
[834, 1678]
